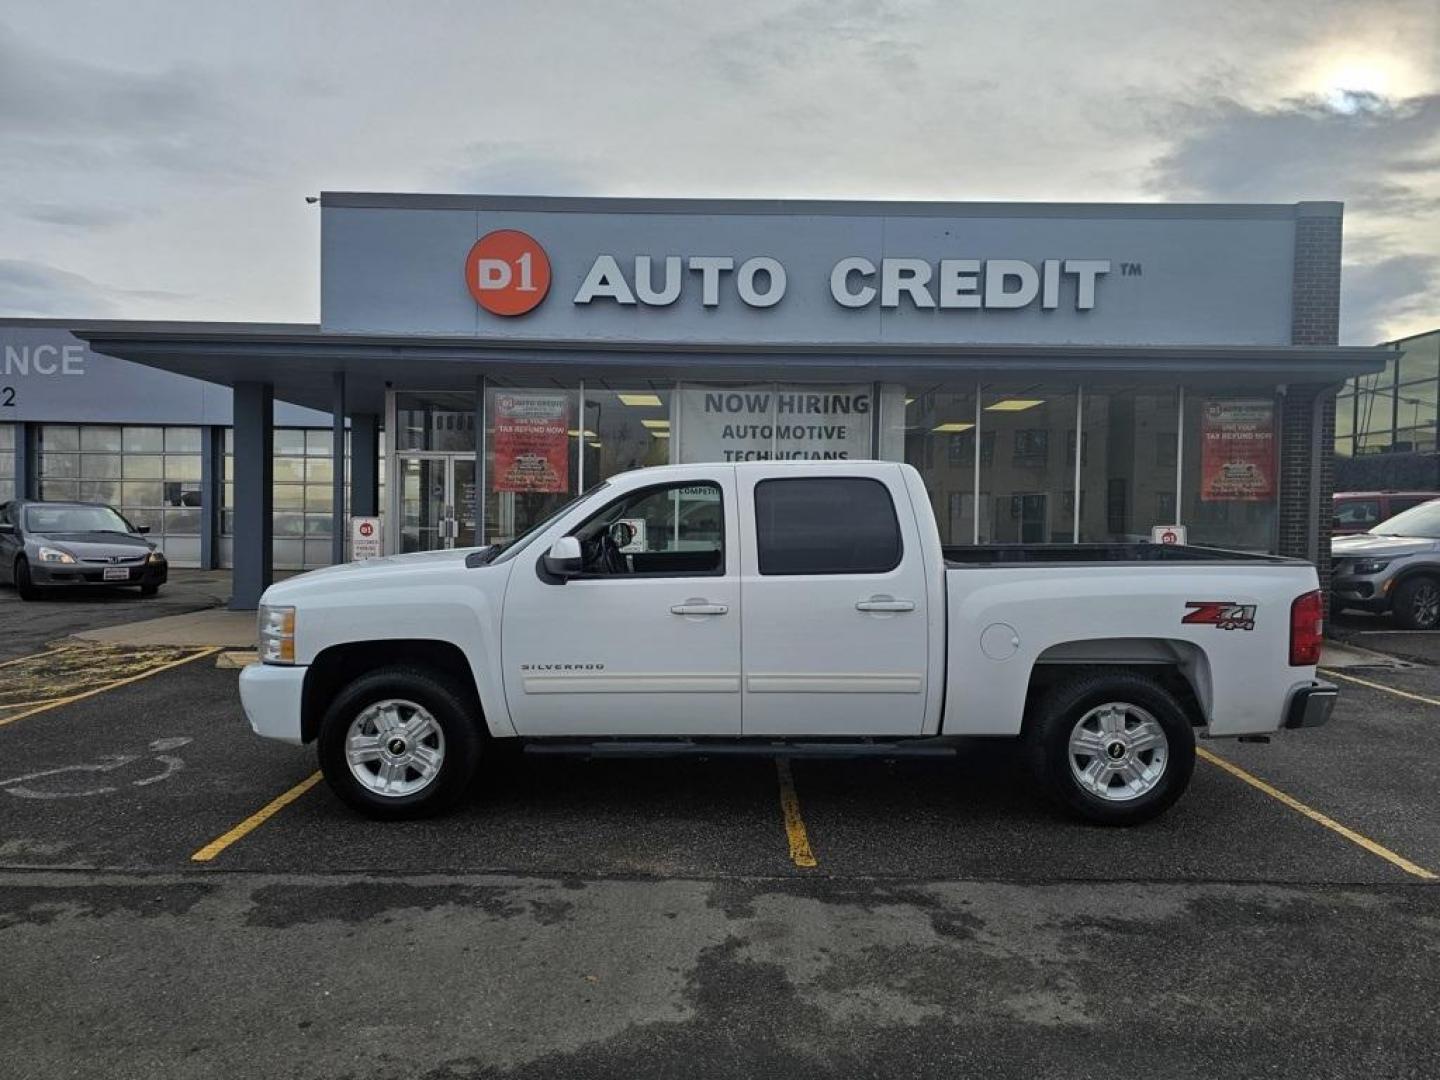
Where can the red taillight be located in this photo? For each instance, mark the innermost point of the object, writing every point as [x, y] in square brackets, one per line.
[1307, 629]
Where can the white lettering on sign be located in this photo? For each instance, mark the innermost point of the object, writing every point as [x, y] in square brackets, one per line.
[44, 360]
[760, 282]
[855, 282]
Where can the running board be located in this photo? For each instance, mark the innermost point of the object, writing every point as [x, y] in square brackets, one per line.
[769, 748]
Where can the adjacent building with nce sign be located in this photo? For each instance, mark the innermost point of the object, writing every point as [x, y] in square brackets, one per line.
[1059, 373]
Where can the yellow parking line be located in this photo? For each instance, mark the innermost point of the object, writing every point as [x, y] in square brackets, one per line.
[800, 853]
[55, 704]
[1317, 817]
[255, 820]
[1380, 686]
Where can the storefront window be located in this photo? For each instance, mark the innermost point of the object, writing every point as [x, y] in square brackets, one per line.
[7, 462]
[532, 456]
[1129, 439]
[937, 425]
[775, 422]
[623, 430]
[1027, 488]
[1230, 473]
[151, 474]
[301, 496]
[442, 422]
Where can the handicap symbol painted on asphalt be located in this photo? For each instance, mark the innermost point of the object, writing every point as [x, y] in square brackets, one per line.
[105, 770]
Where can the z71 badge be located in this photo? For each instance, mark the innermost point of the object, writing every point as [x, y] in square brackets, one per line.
[1226, 614]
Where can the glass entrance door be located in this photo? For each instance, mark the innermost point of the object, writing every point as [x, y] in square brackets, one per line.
[437, 502]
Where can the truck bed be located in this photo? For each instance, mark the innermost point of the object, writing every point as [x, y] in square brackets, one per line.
[968, 556]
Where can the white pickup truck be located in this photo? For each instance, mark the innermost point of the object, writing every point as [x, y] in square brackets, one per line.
[794, 609]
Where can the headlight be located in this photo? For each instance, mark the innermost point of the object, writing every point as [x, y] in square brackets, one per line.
[1371, 566]
[277, 634]
[157, 557]
[49, 554]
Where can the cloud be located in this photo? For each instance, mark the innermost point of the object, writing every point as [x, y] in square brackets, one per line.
[77, 215]
[520, 168]
[34, 288]
[47, 94]
[1381, 157]
[62, 115]
[1360, 148]
[1398, 291]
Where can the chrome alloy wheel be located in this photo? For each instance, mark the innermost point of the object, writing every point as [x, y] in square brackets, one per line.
[1118, 751]
[395, 748]
[1425, 604]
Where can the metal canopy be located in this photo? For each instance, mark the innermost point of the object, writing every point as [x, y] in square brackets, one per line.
[300, 361]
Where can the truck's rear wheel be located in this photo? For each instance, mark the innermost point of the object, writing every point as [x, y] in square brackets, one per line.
[1114, 749]
[400, 742]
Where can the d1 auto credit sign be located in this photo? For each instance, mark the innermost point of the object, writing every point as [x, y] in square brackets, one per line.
[1237, 451]
[532, 442]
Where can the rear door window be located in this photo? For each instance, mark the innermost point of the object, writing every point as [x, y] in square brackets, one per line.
[826, 525]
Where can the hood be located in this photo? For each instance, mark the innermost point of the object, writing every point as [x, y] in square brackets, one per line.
[95, 545]
[1370, 546]
[357, 573]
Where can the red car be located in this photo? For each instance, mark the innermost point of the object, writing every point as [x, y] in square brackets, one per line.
[1359, 511]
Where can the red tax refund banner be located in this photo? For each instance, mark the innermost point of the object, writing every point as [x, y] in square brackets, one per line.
[1237, 451]
[532, 442]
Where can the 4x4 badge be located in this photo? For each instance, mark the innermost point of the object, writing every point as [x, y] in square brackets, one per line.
[1226, 614]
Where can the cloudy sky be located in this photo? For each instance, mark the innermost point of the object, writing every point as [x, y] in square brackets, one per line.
[154, 157]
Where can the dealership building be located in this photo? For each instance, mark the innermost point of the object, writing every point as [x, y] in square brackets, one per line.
[1058, 373]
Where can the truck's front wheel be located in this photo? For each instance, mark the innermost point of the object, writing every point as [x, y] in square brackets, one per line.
[399, 742]
[1114, 749]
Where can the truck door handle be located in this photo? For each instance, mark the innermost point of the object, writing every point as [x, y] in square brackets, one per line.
[884, 603]
[699, 609]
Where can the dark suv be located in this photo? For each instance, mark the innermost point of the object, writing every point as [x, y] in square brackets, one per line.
[45, 544]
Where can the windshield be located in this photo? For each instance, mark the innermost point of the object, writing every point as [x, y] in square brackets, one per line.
[1422, 521]
[514, 547]
[73, 519]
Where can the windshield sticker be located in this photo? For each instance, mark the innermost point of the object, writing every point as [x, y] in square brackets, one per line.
[1226, 614]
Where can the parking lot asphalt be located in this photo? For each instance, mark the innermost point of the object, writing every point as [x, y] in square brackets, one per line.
[646, 918]
[27, 628]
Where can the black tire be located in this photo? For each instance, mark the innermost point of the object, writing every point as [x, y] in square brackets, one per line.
[27, 589]
[149, 590]
[1063, 706]
[1416, 603]
[455, 710]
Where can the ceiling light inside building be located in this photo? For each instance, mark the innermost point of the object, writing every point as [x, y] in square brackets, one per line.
[654, 425]
[1014, 404]
[643, 400]
[575, 434]
[953, 427]
[660, 434]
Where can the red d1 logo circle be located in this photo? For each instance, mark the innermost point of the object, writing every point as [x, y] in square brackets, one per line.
[508, 272]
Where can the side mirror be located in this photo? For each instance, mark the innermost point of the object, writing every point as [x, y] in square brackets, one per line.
[142, 529]
[564, 559]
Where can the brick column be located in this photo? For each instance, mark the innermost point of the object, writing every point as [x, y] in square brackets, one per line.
[1307, 417]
